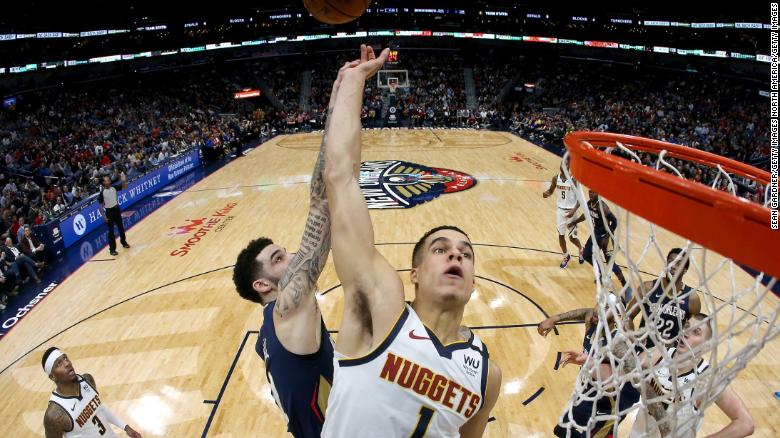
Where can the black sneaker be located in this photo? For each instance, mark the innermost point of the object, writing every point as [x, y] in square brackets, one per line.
[125, 245]
[113, 253]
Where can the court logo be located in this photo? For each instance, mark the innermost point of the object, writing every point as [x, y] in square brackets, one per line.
[187, 229]
[79, 224]
[401, 184]
[520, 157]
[199, 229]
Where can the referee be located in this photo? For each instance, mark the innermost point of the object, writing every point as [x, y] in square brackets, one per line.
[109, 207]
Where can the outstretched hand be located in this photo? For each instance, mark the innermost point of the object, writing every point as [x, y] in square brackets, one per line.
[369, 63]
[575, 357]
[545, 326]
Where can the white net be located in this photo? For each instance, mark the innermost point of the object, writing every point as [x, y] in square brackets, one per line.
[669, 368]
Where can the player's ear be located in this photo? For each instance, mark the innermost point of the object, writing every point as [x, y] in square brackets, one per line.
[262, 286]
[413, 276]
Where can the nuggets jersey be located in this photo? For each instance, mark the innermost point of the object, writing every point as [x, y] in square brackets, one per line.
[300, 383]
[409, 386]
[566, 197]
[684, 406]
[84, 411]
[669, 313]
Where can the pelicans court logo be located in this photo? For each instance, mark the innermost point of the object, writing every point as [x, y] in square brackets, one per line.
[198, 229]
[401, 184]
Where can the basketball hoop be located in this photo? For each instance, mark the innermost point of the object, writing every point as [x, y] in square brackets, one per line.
[644, 178]
[697, 212]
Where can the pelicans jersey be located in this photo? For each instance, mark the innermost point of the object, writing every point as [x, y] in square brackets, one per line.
[668, 313]
[566, 198]
[411, 385]
[683, 405]
[599, 221]
[85, 412]
[300, 384]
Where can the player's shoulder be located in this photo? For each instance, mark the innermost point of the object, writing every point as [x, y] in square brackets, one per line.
[89, 379]
[56, 417]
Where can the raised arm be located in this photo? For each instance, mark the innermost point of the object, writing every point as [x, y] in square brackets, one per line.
[373, 292]
[300, 278]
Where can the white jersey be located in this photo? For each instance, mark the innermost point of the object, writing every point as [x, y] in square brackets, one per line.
[683, 406]
[410, 385]
[84, 411]
[566, 197]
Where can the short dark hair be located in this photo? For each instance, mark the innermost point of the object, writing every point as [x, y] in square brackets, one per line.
[673, 253]
[248, 269]
[417, 252]
[46, 355]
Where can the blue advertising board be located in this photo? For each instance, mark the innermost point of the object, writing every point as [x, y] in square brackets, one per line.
[79, 223]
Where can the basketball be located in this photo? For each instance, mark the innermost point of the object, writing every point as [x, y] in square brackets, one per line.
[336, 11]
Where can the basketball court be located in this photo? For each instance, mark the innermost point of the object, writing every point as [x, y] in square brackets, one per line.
[171, 344]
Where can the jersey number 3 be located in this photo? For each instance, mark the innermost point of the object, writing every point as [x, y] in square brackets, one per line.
[96, 421]
[426, 414]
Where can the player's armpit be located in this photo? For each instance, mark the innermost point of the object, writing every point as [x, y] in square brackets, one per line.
[56, 421]
[475, 427]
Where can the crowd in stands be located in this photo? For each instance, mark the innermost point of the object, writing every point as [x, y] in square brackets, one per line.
[57, 145]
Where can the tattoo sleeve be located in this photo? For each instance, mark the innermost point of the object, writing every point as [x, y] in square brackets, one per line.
[574, 315]
[657, 408]
[301, 276]
[56, 422]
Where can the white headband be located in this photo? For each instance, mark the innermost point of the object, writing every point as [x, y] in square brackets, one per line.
[55, 354]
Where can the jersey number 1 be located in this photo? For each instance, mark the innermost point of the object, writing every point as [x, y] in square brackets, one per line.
[426, 414]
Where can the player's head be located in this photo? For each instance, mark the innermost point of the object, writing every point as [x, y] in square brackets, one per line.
[259, 268]
[57, 366]
[106, 181]
[443, 267]
[677, 263]
[593, 196]
[698, 329]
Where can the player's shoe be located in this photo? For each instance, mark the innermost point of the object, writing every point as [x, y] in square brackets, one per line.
[565, 261]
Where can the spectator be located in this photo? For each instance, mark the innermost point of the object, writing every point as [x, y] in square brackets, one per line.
[32, 247]
[16, 261]
[20, 231]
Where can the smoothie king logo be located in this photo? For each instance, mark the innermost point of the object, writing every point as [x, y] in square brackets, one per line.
[198, 229]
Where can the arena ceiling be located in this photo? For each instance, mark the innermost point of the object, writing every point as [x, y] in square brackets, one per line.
[40, 15]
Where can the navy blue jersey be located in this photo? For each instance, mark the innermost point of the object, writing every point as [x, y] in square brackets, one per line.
[669, 313]
[587, 341]
[583, 412]
[300, 383]
[600, 222]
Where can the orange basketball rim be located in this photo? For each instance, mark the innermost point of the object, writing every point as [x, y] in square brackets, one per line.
[729, 225]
